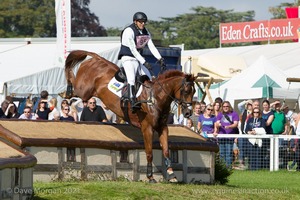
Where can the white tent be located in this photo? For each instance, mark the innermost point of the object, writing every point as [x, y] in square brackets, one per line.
[260, 80]
[29, 66]
[218, 61]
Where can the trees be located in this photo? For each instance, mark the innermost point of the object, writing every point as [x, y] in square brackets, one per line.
[36, 18]
[197, 30]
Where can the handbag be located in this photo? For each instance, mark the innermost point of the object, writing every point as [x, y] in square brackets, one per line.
[236, 129]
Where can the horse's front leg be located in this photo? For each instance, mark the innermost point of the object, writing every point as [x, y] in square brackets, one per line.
[148, 143]
[163, 139]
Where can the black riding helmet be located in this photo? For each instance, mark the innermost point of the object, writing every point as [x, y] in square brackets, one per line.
[140, 16]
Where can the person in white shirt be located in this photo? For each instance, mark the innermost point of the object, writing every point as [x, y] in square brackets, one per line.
[133, 39]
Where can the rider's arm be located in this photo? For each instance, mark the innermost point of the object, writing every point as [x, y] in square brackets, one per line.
[154, 50]
[128, 40]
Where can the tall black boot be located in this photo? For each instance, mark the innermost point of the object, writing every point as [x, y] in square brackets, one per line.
[134, 104]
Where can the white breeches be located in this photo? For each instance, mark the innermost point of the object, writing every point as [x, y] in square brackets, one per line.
[131, 67]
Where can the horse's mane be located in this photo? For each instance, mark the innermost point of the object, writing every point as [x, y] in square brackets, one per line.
[173, 73]
[169, 74]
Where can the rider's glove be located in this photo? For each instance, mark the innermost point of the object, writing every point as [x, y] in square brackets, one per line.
[162, 64]
[148, 66]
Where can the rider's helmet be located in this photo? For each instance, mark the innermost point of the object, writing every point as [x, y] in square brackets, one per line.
[140, 16]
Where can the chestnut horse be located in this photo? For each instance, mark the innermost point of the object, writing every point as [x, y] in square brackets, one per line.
[92, 79]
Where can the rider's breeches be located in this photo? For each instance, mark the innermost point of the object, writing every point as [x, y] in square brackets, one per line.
[131, 66]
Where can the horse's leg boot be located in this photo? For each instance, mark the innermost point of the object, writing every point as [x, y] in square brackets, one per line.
[134, 104]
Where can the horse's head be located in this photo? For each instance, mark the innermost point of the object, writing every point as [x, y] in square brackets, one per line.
[185, 95]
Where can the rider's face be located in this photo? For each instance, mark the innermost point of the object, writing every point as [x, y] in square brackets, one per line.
[140, 24]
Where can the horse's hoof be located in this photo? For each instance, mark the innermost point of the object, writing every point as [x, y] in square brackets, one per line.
[152, 181]
[172, 178]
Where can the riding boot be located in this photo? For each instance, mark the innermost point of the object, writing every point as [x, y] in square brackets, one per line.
[134, 104]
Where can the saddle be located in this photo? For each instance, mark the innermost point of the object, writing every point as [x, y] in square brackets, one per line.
[120, 76]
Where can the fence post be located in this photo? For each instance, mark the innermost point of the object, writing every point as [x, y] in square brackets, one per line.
[276, 153]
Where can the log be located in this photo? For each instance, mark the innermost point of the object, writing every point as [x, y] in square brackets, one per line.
[293, 79]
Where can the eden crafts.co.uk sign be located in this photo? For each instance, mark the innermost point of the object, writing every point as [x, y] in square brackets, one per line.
[280, 29]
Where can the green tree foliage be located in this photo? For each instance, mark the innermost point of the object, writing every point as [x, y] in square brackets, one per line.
[21, 18]
[197, 30]
[36, 18]
[278, 12]
[84, 23]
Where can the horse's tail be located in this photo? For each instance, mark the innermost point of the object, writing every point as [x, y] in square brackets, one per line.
[72, 60]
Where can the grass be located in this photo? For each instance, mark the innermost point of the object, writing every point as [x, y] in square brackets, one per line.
[242, 185]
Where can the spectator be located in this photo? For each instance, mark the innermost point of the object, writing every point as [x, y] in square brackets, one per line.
[4, 106]
[110, 115]
[268, 116]
[78, 104]
[216, 108]
[73, 111]
[207, 122]
[196, 114]
[53, 108]
[65, 114]
[93, 112]
[42, 110]
[219, 100]
[245, 108]
[28, 114]
[202, 107]
[12, 111]
[227, 121]
[295, 142]
[43, 96]
[189, 124]
[280, 126]
[255, 145]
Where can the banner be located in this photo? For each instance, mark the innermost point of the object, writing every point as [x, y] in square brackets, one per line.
[280, 29]
[63, 30]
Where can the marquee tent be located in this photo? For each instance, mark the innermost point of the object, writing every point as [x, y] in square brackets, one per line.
[227, 62]
[262, 79]
[30, 65]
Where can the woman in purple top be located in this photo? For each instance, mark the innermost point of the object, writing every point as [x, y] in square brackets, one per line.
[207, 122]
[227, 121]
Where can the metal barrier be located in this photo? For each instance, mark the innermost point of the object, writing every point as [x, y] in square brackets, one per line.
[274, 154]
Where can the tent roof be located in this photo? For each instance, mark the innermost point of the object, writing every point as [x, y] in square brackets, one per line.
[28, 57]
[282, 55]
[260, 80]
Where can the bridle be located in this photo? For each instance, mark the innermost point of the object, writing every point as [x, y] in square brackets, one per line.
[180, 101]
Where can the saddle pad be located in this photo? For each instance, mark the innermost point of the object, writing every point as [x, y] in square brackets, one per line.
[116, 87]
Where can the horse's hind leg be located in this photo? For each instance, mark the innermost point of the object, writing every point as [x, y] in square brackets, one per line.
[163, 139]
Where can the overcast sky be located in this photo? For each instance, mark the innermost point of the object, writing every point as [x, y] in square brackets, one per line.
[118, 13]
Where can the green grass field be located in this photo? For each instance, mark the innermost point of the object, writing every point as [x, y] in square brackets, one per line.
[242, 185]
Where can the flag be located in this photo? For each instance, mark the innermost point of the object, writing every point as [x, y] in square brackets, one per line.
[63, 30]
[188, 66]
[291, 12]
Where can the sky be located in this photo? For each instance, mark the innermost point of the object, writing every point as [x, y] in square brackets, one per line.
[118, 13]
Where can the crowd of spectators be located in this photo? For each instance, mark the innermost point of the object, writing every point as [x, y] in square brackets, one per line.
[49, 108]
[253, 118]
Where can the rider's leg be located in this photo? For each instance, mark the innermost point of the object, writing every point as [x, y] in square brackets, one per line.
[130, 66]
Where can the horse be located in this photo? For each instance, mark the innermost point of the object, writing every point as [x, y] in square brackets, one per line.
[92, 79]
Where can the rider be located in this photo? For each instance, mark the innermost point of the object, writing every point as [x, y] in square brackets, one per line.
[133, 39]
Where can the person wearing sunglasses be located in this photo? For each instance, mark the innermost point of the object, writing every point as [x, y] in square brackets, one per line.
[65, 114]
[93, 112]
[133, 39]
[207, 122]
[256, 125]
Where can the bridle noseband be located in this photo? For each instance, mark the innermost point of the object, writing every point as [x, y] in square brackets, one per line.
[181, 101]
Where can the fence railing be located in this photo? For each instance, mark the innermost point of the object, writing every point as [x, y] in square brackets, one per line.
[273, 153]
